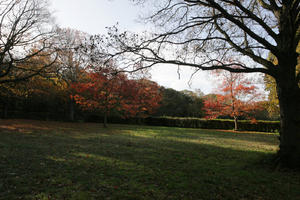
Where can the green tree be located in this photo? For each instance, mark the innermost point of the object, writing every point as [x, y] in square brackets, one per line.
[179, 104]
[272, 105]
[195, 106]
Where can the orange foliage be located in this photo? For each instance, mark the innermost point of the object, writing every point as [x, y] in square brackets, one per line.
[141, 97]
[236, 97]
[106, 92]
[99, 92]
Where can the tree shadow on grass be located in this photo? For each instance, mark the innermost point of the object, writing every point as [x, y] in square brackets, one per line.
[134, 166]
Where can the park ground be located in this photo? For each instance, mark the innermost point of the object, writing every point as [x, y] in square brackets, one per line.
[56, 160]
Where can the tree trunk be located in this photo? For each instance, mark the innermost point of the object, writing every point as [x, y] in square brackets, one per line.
[235, 123]
[5, 110]
[288, 90]
[288, 93]
[71, 109]
[105, 120]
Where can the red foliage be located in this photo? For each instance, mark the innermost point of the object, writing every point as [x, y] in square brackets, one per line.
[141, 97]
[236, 97]
[99, 92]
[106, 92]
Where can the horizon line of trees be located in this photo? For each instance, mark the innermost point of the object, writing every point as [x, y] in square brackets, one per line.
[47, 69]
[94, 97]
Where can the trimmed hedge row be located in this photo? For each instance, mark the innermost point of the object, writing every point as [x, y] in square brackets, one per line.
[247, 125]
[226, 124]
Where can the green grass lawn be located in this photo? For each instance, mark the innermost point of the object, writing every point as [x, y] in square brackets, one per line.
[53, 160]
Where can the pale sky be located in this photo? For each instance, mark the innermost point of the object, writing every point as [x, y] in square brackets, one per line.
[92, 16]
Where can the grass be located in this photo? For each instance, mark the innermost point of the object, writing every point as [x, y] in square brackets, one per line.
[53, 160]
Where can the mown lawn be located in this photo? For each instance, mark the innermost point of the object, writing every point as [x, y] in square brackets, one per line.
[53, 160]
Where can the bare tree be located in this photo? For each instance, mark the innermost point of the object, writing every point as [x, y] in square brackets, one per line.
[71, 60]
[223, 34]
[25, 36]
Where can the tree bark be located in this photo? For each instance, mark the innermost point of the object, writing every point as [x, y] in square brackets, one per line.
[289, 101]
[235, 123]
[288, 90]
[71, 109]
[5, 110]
[105, 120]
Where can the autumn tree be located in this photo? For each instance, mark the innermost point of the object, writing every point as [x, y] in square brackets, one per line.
[41, 93]
[24, 25]
[261, 113]
[206, 34]
[41, 97]
[72, 60]
[140, 97]
[100, 91]
[236, 97]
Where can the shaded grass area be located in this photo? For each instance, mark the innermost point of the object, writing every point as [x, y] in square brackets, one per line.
[52, 160]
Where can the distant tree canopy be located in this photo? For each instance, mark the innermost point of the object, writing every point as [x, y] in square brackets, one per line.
[180, 104]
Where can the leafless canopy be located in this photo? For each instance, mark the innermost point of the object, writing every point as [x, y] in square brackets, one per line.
[215, 34]
[25, 33]
[72, 57]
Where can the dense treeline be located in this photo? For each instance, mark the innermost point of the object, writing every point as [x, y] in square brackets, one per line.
[61, 74]
[180, 104]
[49, 98]
[42, 98]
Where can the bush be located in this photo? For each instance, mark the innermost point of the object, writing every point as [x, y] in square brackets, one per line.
[227, 124]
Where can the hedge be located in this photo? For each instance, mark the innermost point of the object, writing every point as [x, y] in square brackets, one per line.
[247, 125]
[226, 124]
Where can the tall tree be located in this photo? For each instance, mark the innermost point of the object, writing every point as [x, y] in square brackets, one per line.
[24, 25]
[41, 93]
[180, 104]
[100, 92]
[270, 86]
[207, 34]
[237, 97]
[71, 60]
[195, 105]
[140, 97]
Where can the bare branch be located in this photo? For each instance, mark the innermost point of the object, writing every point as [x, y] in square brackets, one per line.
[272, 6]
[243, 27]
[258, 59]
[25, 32]
[257, 19]
[29, 75]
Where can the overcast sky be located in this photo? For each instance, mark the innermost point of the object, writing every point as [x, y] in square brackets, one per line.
[92, 16]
